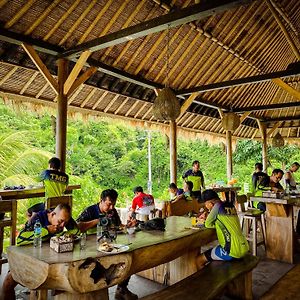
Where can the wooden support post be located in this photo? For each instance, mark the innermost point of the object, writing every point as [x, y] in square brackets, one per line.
[229, 153]
[61, 119]
[263, 132]
[173, 152]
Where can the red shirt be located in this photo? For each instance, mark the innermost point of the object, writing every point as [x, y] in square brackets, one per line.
[142, 200]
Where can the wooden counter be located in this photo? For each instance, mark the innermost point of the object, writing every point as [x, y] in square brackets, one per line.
[279, 227]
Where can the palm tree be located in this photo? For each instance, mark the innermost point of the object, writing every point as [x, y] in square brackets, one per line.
[20, 162]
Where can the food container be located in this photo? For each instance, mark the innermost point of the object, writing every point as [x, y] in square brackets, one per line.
[61, 244]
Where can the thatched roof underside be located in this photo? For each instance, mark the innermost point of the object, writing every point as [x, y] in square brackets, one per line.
[233, 44]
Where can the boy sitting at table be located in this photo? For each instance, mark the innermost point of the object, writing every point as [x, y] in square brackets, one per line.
[187, 192]
[223, 217]
[53, 223]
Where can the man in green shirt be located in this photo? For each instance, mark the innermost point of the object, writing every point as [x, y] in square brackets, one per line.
[223, 217]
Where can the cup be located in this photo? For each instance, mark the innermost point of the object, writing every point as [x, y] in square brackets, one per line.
[193, 221]
[82, 241]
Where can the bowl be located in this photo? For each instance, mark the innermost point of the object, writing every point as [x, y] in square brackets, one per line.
[131, 230]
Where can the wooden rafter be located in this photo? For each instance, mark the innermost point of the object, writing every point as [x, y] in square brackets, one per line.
[42, 90]
[187, 104]
[111, 103]
[81, 79]
[285, 32]
[121, 106]
[94, 23]
[273, 129]
[239, 82]
[287, 88]
[140, 109]
[77, 22]
[8, 75]
[75, 94]
[28, 83]
[186, 15]
[99, 100]
[61, 20]
[132, 107]
[19, 14]
[76, 70]
[41, 66]
[244, 116]
[39, 20]
[88, 97]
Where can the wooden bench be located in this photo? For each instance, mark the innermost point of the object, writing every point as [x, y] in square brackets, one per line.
[234, 278]
[287, 287]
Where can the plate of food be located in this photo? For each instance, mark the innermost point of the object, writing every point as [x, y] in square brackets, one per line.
[110, 248]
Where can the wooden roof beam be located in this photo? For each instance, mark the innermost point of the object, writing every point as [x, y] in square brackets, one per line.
[19, 39]
[267, 107]
[176, 18]
[273, 129]
[242, 81]
[75, 71]
[41, 67]
[288, 118]
[282, 27]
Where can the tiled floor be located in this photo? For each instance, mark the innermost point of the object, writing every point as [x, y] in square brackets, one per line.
[264, 276]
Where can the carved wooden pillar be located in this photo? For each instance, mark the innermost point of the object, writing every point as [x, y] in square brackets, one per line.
[61, 119]
[173, 152]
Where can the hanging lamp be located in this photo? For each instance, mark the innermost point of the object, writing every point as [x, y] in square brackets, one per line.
[230, 121]
[166, 106]
[278, 140]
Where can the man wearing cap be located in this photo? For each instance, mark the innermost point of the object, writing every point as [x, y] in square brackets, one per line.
[223, 217]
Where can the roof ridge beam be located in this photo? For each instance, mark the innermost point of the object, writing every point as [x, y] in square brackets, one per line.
[238, 82]
[173, 19]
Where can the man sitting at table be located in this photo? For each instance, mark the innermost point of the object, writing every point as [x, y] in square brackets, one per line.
[174, 190]
[53, 222]
[89, 218]
[55, 183]
[268, 183]
[142, 203]
[223, 217]
[187, 194]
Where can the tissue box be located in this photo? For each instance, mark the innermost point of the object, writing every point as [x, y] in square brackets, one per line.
[61, 244]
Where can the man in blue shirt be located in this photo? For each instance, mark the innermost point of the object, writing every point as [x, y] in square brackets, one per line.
[89, 219]
[53, 222]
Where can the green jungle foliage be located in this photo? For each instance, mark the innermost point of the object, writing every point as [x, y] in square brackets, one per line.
[108, 154]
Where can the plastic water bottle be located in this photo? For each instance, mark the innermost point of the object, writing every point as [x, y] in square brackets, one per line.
[37, 242]
[99, 230]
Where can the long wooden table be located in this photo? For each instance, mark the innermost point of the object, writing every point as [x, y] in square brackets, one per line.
[88, 273]
[279, 227]
[32, 192]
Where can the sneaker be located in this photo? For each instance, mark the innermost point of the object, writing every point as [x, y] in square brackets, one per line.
[125, 294]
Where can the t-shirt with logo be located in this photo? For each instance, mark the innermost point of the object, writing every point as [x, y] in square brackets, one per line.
[55, 182]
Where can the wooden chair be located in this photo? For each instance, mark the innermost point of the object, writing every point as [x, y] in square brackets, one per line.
[54, 201]
[251, 219]
[7, 206]
[182, 207]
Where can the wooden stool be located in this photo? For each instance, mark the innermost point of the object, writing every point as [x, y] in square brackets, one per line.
[7, 206]
[254, 218]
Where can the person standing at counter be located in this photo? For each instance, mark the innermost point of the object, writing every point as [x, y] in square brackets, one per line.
[257, 176]
[55, 183]
[289, 178]
[196, 177]
[268, 183]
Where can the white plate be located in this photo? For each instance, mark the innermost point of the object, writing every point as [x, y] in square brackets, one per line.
[118, 248]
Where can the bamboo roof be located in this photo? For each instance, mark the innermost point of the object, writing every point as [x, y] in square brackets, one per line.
[217, 56]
